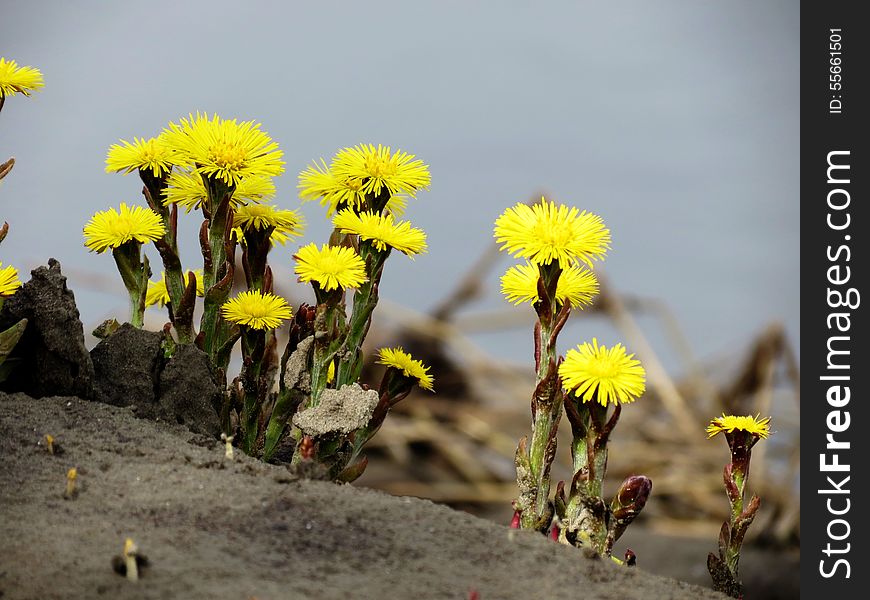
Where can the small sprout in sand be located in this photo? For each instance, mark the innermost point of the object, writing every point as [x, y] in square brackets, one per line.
[131, 563]
[228, 442]
[71, 489]
[52, 446]
[130, 552]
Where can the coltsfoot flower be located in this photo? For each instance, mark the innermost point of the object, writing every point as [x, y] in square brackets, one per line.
[142, 155]
[729, 423]
[331, 267]
[287, 223]
[111, 229]
[158, 293]
[547, 232]
[576, 285]
[609, 376]
[18, 80]
[360, 171]
[224, 149]
[188, 190]
[9, 282]
[381, 231]
[378, 168]
[399, 359]
[257, 310]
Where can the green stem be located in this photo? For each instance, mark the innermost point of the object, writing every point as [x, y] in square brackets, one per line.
[365, 299]
[135, 272]
[217, 291]
[253, 346]
[330, 332]
[546, 400]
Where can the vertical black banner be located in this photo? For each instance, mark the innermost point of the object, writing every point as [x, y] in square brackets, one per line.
[835, 170]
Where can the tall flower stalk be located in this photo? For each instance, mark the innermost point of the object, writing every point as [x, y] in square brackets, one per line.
[152, 160]
[224, 153]
[742, 433]
[554, 239]
[597, 378]
[124, 231]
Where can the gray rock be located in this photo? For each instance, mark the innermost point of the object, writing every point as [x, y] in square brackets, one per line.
[51, 357]
[188, 391]
[127, 367]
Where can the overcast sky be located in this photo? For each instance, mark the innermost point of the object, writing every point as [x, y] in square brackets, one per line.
[676, 121]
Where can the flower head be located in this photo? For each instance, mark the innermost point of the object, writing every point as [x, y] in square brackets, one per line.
[9, 282]
[362, 171]
[401, 360]
[188, 190]
[331, 266]
[729, 423]
[257, 310]
[576, 285]
[381, 231]
[110, 229]
[287, 223]
[594, 372]
[158, 293]
[142, 155]
[379, 168]
[224, 148]
[18, 80]
[546, 232]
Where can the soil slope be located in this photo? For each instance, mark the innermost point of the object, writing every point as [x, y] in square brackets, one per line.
[214, 528]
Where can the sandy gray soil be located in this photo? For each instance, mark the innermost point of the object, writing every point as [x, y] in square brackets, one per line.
[240, 529]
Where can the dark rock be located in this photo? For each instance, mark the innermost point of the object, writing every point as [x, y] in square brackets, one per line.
[50, 358]
[188, 391]
[127, 367]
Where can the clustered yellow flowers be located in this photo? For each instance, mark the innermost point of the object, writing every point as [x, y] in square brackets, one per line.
[559, 245]
[225, 169]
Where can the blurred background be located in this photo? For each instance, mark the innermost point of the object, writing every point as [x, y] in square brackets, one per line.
[677, 122]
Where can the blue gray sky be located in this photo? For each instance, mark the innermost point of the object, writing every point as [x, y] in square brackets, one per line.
[676, 121]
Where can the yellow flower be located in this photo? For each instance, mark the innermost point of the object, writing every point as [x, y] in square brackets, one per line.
[593, 372]
[318, 182]
[381, 231]
[257, 310]
[728, 423]
[546, 232]
[9, 282]
[158, 293]
[18, 80]
[142, 155]
[399, 359]
[378, 168]
[224, 148]
[188, 190]
[362, 170]
[287, 223]
[331, 267]
[110, 229]
[576, 285]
